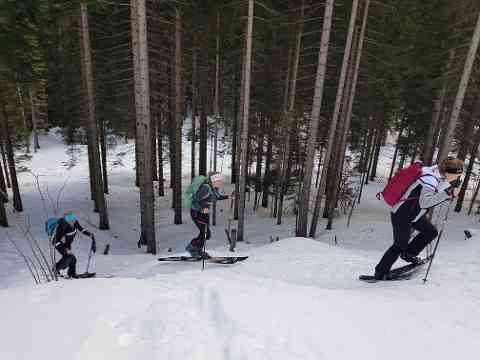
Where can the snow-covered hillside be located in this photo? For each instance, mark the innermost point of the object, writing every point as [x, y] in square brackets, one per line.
[292, 299]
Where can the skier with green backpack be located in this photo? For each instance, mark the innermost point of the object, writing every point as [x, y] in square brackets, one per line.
[198, 197]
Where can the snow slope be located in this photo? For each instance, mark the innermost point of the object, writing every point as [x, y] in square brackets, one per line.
[293, 299]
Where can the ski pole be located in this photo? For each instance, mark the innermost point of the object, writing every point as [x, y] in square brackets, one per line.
[438, 240]
[204, 244]
[89, 256]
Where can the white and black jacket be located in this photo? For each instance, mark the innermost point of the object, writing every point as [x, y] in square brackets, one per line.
[428, 191]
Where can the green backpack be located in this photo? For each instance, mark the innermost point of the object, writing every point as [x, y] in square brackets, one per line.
[192, 190]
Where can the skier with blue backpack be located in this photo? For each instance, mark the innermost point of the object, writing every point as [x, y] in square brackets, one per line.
[412, 193]
[199, 195]
[62, 232]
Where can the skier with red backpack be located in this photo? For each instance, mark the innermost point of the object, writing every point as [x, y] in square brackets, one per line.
[199, 195]
[412, 192]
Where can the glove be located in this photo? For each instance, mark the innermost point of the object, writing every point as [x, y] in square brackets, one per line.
[94, 245]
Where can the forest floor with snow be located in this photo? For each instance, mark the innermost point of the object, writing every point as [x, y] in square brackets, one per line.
[292, 299]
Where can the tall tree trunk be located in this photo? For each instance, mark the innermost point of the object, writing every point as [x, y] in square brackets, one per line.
[216, 110]
[177, 189]
[268, 161]
[92, 121]
[239, 133]
[457, 107]
[439, 103]
[142, 105]
[304, 200]
[204, 102]
[153, 132]
[349, 109]
[237, 88]
[258, 169]
[36, 145]
[3, 184]
[5, 162]
[171, 117]
[473, 153]
[378, 145]
[3, 212]
[333, 124]
[471, 162]
[467, 141]
[161, 183]
[290, 127]
[194, 102]
[246, 113]
[103, 147]
[17, 200]
[21, 105]
[84, 110]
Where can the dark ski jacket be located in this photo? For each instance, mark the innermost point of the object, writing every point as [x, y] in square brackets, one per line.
[65, 234]
[204, 196]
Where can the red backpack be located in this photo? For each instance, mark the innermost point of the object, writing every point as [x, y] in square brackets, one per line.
[399, 183]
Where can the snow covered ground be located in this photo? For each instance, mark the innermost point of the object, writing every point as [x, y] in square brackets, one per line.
[292, 299]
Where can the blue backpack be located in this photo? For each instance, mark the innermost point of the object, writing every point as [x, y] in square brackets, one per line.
[50, 226]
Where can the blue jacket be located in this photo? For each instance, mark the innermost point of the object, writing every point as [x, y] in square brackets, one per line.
[205, 195]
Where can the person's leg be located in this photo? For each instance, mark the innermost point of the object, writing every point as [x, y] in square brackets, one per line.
[205, 234]
[61, 264]
[194, 215]
[427, 232]
[401, 235]
[71, 262]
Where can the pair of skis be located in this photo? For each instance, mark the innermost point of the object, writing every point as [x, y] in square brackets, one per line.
[400, 273]
[87, 275]
[223, 260]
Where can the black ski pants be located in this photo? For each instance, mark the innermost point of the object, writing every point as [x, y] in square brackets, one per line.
[402, 227]
[201, 220]
[67, 261]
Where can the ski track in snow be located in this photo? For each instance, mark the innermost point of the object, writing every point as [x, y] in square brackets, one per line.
[292, 299]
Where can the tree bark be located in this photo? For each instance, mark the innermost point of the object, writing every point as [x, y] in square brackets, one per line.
[3, 212]
[194, 102]
[457, 106]
[471, 162]
[348, 111]
[237, 88]
[439, 103]
[333, 124]
[3, 185]
[92, 121]
[142, 106]
[17, 200]
[473, 153]
[246, 113]
[291, 89]
[161, 183]
[36, 145]
[103, 147]
[177, 187]
[5, 162]
[204, 102]
[304, 200]
[216, 110]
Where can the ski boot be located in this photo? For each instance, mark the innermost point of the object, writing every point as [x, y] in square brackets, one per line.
[415, 260]
[197, 252]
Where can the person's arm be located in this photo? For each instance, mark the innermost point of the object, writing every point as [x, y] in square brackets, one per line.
[81, 229]
[219, 195]
[430, 197]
